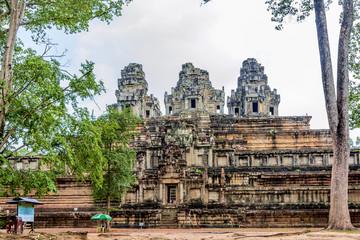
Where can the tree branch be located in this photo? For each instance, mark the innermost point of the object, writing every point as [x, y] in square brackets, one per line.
[39, 4]
[18, 92]
[8, 5]
[326, 65]
[21, 11]
[17, 149]
[343, 59]
[41, 105]
[51, 19]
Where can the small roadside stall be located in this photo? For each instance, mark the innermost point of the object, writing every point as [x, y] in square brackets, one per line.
[103, 217]
[24, 214]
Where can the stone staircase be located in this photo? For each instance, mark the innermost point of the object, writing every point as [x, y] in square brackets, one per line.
[169, 218]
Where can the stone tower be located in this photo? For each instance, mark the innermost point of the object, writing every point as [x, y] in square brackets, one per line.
[253, 96]
[194, 92]
[133, 93]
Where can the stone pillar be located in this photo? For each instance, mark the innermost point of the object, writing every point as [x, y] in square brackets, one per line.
[181, 186]
[222, 196]
[164, 191]
[295, 162]
[191, 156]
[161, 193]
[222, 179]
[147, 159]
[205, 197]
[210, 158]
[141, 191]
[246, 104]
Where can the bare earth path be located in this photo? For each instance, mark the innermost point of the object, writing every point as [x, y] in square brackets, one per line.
[186, 234]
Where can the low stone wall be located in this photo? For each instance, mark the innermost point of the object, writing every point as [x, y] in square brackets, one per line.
[71, 194]
[230, 218]
[151, 218]
[65, 220]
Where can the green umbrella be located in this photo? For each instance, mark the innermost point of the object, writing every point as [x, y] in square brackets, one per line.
[101, 216]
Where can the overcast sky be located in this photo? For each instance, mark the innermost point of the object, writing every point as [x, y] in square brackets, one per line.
[217, 37]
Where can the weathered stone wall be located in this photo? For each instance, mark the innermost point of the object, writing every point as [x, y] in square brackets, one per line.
[223, 167]
[231, 218]
[217, 171]
[283, 198]
[71, 194]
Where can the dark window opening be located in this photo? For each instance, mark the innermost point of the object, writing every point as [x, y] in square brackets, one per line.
[152, 161]
[255, 107]
[170, 110]
[236, 111]
[147, 113]
[171, 194]
[193, 103]
[271, 110]
[218, 108]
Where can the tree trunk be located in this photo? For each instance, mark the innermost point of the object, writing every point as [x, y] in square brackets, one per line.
[108, 212]
[16, 14]
[108, 197]
[337, 111]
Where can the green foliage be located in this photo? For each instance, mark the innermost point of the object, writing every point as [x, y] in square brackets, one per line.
[354, 57]
[116, 130]
[40, 113]
[39, 123]
[71, 16]
[354, 104]
[3, 222]
[354, 67]
[280, 9]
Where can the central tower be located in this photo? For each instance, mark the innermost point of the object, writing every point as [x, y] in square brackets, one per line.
[194, 92]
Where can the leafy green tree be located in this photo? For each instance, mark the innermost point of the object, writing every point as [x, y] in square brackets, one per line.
[354, 64]
[117, 129]
[35, 95]
[337, 101]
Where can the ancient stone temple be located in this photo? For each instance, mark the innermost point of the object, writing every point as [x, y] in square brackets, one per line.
[194, 92]
[200, 168]
[132, 92]
[253, 96]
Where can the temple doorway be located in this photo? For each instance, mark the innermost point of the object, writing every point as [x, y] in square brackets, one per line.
[171, 194]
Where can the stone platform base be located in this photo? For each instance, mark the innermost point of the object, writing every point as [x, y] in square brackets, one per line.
[227, 218]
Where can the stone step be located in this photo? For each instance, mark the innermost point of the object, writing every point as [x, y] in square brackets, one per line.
[168, 226]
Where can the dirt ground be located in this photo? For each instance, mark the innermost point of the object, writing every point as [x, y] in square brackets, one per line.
[184, 234]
